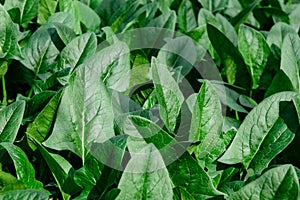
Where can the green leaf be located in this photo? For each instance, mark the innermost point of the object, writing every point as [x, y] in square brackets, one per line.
[112, 64]
[280, 83]
[24, 169]
[62, 172]
[24, 10]
[9, 182]
[9, 34]
[186, 17]
[45, 10]
[235, 67]
[178, 52]
[278, 183]
[255, 52]
[168, 94]
[82, 115]
[24, 194]
[40, 127]
[290, 59]
[187, 173]
[145, 177]
[39, 52]
[10, 121]
[78, 50]
[206, 124]
[88, 17]
[262, 133]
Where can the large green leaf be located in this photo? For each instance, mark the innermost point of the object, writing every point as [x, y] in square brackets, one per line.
[168, 94]
[186, 17]
[22, 11]
[24, 194]
[188, 174]
[9, 182]
[10, 121]
[9, 47]
[78, 50]
[45, 10]
[85, 114]
[261, 136]
[40, 127]
[255, 52]
[145, 177]
[235, 67]
[39, 52]
[290, 59]
[24, 169]
[206, 124]
[277, 183]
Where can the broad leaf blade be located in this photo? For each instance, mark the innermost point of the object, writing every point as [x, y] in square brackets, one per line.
[85, 114]
[45, 10]
[145, 177]
[168, 94]
[277, 183]
[10, 121]
[24, 194]
[260, 125]
[186, 17]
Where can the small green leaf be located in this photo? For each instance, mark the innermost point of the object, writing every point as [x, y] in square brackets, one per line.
[145, 177]
[45, 10]
[9, 182]
[186, 17]
[277, 183]
[10, 121]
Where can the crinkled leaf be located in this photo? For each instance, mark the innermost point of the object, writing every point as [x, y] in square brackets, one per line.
[262, 130]
[10, 121]
[145, 177]
[168, 94]
[85, 114]
[24, 169]
[255, 52]
[277, 183]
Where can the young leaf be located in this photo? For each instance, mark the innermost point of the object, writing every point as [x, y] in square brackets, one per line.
[278, 183]
[186, 173]
[82, 117]
[10, 121]
[24, 194]
[255, 52]
[290, 59]
[168, 94]
[262, 130]
[145, 177]
[24, 169]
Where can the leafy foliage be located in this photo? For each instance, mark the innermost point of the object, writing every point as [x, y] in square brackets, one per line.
[135, 99]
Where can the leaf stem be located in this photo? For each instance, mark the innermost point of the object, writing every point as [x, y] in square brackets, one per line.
[4, 101]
